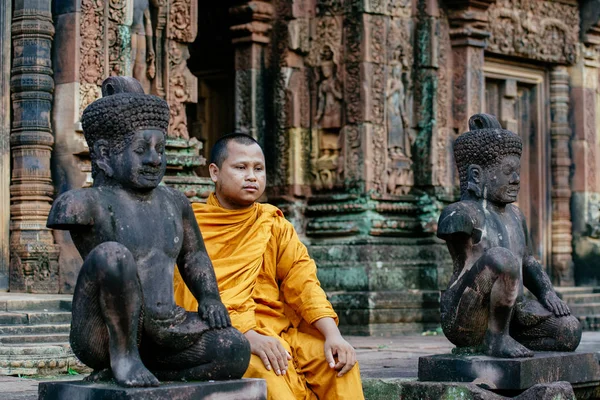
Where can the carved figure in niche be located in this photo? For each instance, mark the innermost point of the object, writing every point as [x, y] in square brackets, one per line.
[143, 56]
[397, 119]
[487, 237]
[329, 93]
[329, 120]
[400, 175]
[125, 323]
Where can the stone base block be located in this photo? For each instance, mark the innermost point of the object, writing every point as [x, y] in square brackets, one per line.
[511, 374]
[380, 389]
[242, 389]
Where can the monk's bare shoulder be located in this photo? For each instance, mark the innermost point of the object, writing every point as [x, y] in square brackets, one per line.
[461, 217]
[74, 208]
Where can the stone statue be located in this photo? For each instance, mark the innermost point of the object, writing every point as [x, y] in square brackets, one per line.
[143, 56]
[484, 306]
[329, 94]
[130, 232]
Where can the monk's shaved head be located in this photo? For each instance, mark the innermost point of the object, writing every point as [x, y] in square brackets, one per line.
[218, 153]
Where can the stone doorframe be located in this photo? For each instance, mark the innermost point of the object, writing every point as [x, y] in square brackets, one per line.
[5, 56]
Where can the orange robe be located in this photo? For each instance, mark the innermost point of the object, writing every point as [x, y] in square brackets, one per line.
[269, 284]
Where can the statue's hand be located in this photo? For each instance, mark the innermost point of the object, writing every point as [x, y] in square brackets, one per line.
[553, 303]
[214, 312]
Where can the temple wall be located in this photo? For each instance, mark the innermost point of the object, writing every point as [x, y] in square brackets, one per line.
[357, 104]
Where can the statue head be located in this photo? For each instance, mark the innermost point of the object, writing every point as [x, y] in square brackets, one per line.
[125, 131]
[328, 67]
[488, 160]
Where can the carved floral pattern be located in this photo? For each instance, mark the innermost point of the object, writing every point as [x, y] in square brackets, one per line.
[541, 30]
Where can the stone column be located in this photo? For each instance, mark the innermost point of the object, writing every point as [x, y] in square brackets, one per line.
[5, 18]
[585, 200]
[560, 133]
[468, 33]
[34, 256]
[251, 31]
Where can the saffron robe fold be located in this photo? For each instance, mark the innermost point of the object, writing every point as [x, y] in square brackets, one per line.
[266, 278]
[268, 283]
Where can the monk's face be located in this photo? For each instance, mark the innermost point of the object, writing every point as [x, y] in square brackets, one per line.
[142, 164]
[241, 179]
[503, 181]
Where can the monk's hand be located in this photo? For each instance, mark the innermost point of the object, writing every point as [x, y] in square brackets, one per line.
[270, 350]
[336, 345]
[214, 312]
[552, 302]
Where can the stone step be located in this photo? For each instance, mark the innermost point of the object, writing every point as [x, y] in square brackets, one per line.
[33, 329]
[35, 302]
[34, 317]
[581, 298]
[34, 339]
[567, 290]
[581, 310]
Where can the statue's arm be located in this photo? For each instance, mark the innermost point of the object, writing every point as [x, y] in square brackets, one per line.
[197, 270]
[457, 219]
[535, 278]
[72, 210]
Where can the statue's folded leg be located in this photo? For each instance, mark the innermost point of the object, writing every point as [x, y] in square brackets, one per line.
[477, 308]
[550, 334]
[106, 315]
[219, 354]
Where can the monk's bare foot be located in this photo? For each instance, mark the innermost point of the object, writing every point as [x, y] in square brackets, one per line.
[502, 345]
[99, 375]
[132, 373]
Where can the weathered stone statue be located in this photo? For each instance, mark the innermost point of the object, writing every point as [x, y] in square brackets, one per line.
[130, 232]
[484, 306]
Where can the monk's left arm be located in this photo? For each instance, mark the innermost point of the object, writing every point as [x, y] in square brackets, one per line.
[198, 273]
[537, 281]
[297, 274]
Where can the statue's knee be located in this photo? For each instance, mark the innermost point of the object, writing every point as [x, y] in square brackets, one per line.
[233, 349]
[503, 261]
[113, 258]
[569, 334]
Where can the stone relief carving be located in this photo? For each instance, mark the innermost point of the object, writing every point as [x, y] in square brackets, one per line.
[399, 134]
[143, 52]
[541, 30]
[328, 120]
[91, 67]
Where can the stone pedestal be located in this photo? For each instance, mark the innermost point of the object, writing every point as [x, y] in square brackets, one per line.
[511, 374]
[243, 389]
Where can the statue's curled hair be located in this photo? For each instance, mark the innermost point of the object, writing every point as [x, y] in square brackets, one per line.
[486, 144]
[123, 110]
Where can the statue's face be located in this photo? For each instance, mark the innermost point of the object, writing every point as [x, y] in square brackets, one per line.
[503, 180]
[242, 177]
[142, 163]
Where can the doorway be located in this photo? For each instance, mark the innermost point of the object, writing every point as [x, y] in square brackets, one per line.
[518, 97]
[212, 61]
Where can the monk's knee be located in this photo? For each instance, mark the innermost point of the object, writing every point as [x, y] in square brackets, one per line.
[568, 334]
[233, 350]
[503, 261]
[113, 260]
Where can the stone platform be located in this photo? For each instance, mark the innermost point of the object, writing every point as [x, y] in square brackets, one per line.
[511, 373]
[244, 389]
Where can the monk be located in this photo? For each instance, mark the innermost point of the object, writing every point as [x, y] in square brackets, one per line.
[269, 283]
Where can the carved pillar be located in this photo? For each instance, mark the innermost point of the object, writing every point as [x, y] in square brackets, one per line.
[5, 19]
[34, 256]
[560, 132]
[585, 100]
[251, 36]
[468, 32]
